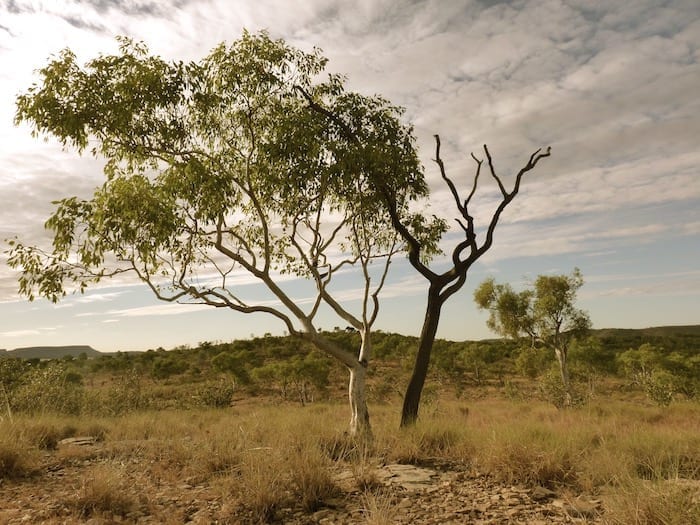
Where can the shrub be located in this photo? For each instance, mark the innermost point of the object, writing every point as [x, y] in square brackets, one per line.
[47, 390]
[551, 389]
[217, 394]
[660, 387]
[126, 395]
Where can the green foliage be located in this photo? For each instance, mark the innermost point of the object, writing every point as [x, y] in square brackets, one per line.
[126, 394]
[544, 313]
[250, 131]
[48, 390]
[531, 362]
[11, 372]
[552, 389]
[169, 365]
[216, 394]
[233, 363]
[661, 374]
[299, 377]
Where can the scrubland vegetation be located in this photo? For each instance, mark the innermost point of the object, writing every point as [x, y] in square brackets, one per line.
[258, 426]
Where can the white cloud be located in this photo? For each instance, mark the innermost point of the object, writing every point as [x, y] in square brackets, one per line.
[157, 310]
[19, 333]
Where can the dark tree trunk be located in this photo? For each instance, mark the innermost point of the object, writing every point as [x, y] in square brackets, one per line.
[411, 401]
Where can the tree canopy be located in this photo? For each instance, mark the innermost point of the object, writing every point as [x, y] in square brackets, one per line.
[225, 167]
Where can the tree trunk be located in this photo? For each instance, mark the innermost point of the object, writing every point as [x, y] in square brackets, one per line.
[359, 420]
[411, 401]
[564, 371]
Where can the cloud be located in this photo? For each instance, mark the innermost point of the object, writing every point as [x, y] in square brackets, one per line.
[156, 310]
[19, 333]
[611, 86]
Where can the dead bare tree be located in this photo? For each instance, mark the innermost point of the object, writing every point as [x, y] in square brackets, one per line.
[465, 253]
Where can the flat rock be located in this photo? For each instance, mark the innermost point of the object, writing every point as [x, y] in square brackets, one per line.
[79, 441]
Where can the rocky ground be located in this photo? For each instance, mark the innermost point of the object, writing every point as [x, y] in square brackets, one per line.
[436, 494]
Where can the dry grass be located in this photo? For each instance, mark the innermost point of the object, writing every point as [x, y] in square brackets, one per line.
[378, 508]
[18, 457]
[103, 491]
[650, 503]
[266, 458]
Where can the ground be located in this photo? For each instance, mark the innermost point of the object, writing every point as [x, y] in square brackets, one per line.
[65, 489]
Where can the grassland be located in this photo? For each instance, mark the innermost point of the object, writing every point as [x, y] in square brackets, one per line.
[260, 462]
[240, 433]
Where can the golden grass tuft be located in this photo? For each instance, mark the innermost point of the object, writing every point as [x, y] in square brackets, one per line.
[650, 503]
[104, 491]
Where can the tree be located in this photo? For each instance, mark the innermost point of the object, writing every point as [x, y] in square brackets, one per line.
[443, 285]
[421, 238]
[221, 169]
[545, 313]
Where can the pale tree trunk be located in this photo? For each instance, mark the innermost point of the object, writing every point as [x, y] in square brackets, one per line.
[357, 367]
[359, 421]
[564, 371]
[357, 392]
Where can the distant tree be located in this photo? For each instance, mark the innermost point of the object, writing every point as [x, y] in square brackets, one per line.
[222, 168]
[545, 313]
[661, 373]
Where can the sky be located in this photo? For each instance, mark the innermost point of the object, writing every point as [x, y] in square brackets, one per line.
[611, 86]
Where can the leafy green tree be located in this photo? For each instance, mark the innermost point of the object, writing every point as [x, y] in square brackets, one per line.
[640, 364]
[661, 374]
[297, 377]
[49, 389]
[224, 170]
[233, 363]
[545, 313]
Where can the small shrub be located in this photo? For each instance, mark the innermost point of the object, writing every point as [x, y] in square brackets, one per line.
[512, 392]
[47, 390]
[126, 395]
[552, 390]
[216, 395]
[660, 388]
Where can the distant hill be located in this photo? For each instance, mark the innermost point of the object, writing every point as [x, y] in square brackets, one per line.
[655, 331]
[50, 352]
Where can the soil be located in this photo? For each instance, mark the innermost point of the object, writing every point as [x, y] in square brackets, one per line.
[396, 494]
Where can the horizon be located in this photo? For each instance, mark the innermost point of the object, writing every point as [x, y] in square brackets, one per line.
[217, 342]
[611, 88]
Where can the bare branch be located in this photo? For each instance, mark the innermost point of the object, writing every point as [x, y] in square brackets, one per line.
[449, 182]
[476, 180]
[493, 172]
